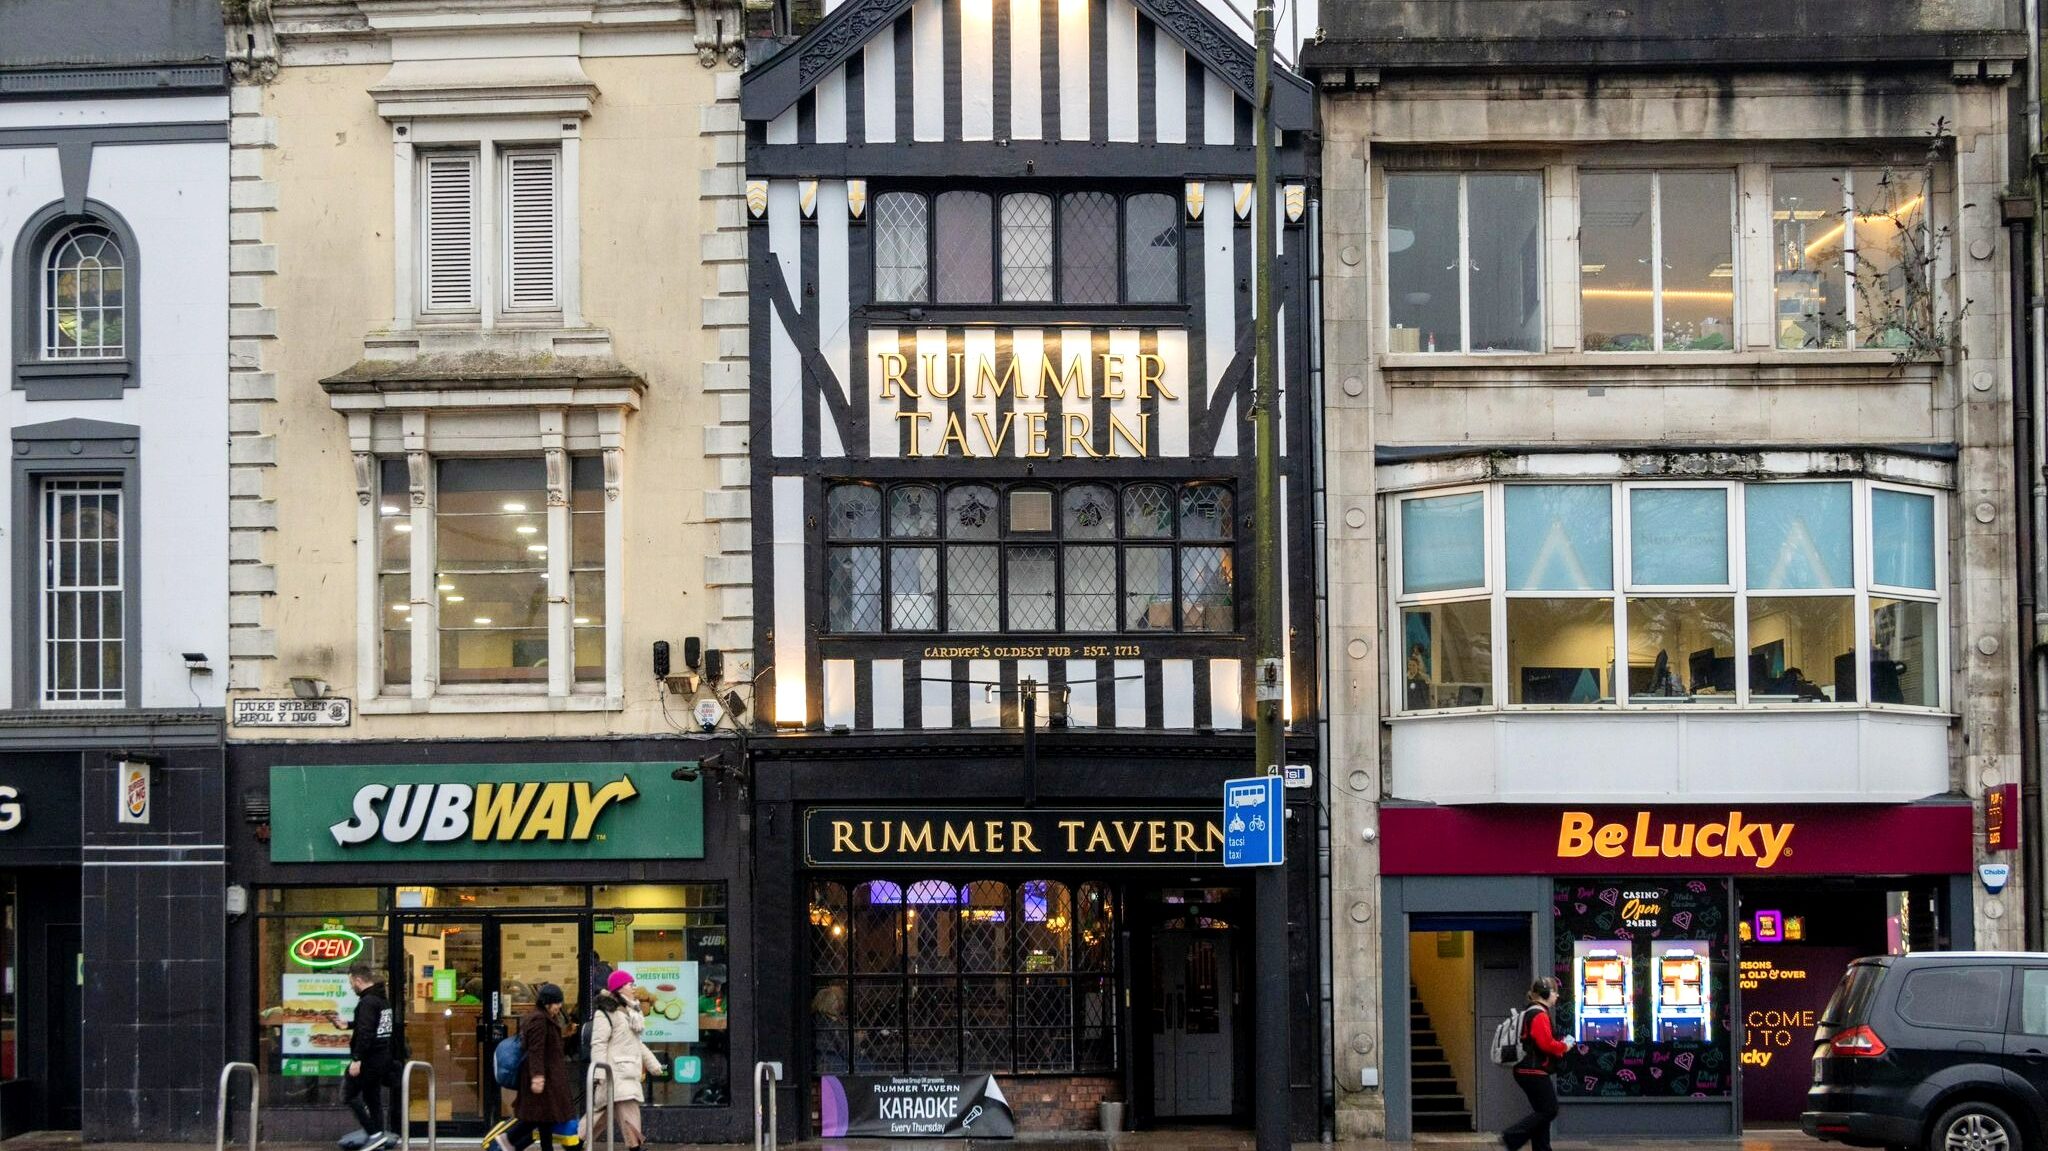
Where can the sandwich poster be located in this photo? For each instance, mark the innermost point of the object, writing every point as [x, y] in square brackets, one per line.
[313, 1015]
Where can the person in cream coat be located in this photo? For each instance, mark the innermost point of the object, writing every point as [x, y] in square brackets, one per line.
[615, 1044]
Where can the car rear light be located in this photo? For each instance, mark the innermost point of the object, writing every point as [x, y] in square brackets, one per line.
[1857, 1043]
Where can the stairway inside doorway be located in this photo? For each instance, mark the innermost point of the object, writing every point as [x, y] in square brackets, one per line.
[1434, 1100]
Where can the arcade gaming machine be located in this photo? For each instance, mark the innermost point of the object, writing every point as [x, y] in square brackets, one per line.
[1603, 976]
[1684, 992]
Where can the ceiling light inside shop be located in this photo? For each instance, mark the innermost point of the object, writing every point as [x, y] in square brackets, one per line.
[388, 510]
[482, 621]
[455, 599]
[527, 529]
[515, 507]
[401, 607]
[401, 527]
[536, 547]
[447, 587]
[581, 620]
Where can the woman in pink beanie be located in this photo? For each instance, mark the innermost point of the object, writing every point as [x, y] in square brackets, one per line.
[615, 1045]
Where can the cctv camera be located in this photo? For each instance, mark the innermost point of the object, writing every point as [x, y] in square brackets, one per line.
[684, 774]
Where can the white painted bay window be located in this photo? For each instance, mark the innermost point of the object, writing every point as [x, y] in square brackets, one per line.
[1801, 593]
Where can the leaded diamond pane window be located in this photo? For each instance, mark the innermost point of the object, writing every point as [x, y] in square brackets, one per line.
[1084, 247]
[964, 248]
[901, 267]
[1088, 248]
[980, 976]
[1027, 248]
[1152, 249]
[926, 557]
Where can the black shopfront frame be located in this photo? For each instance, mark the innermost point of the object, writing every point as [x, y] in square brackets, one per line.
[1136, 774]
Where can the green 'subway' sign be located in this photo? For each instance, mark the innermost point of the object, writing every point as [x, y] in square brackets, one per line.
[526, 811]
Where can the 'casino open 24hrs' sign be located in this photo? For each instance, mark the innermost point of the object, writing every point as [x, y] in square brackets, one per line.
[527, 811]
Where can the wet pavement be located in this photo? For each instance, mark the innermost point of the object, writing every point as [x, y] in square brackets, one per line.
[1197, 1140]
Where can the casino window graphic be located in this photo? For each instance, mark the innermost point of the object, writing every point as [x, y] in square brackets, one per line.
[1644, 965]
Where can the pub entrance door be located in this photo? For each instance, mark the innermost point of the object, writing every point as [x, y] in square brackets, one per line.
[465, 985]
[1197, 985]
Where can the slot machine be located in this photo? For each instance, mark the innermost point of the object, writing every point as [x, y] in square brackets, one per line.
[1684, 999]
[1603, 978]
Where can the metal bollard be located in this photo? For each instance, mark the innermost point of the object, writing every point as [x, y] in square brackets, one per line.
[611, 1109]
[767, 1137]
[405, 1106]
[220, 1105]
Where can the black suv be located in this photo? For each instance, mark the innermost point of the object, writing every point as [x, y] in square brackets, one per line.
[1946, 1051]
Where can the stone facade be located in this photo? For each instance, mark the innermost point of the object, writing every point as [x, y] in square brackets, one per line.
[1473, 87]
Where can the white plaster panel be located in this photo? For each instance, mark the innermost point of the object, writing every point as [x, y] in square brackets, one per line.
[133, 110]
[1756, 757]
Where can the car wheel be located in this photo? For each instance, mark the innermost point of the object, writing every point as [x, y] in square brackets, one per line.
[1976, 1127]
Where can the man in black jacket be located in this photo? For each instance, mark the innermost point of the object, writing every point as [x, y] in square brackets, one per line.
[369, 1054]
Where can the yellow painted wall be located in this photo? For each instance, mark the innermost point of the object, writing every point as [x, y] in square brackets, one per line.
[1445, 984]
[642, 279]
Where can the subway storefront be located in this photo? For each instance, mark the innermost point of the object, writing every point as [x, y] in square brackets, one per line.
[1694, 946]
[467, 875]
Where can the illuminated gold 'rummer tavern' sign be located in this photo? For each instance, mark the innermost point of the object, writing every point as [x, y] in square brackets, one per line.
[1125, 380]
[878, 836]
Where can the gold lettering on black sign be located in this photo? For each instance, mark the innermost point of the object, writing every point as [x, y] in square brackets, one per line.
[871, 835]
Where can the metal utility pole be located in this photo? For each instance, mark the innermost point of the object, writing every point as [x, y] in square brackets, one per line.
[1271, 1103]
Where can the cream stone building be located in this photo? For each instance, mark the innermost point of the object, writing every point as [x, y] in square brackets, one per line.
[1671, 509]
[490, 522]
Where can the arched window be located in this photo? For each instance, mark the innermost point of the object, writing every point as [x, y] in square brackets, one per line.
[76, 326]
[85, 297]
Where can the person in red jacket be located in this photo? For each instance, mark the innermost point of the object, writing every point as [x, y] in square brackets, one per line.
[1541, 1052]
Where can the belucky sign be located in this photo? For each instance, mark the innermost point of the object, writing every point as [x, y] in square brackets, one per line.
[1580, 833]
[484, 811]
[1913, 839]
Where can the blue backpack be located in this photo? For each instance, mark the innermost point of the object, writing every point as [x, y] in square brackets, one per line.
[506, 1060]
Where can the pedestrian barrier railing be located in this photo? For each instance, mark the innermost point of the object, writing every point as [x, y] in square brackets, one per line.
[220, 1105]
[611, 1108]
[766, 1128]
[405, 1106]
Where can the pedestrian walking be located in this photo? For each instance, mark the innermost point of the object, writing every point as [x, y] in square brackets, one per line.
[1541, 1052]
[543, 1098]
[369, 1058]
[617, 1045]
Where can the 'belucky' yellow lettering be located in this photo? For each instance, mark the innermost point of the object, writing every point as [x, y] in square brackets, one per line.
[1579, 834]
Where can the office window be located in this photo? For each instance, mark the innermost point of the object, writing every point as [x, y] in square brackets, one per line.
[1704, 594]
[1656, 252]
[394, 571]
[1083, 557]
[1851, 257]
[1465, 255]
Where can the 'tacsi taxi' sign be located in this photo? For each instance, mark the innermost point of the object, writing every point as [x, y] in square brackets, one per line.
[484, 811]
[1922, 839]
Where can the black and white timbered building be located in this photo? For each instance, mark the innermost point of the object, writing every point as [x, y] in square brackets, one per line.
[1001, 262]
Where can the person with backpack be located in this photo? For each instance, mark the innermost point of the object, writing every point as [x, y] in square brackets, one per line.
[369, 1054]
[616, 1045]
[1540, 1052]
[543, 1097]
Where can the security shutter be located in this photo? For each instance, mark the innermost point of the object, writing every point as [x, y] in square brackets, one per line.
[532, 198]
[449, 234]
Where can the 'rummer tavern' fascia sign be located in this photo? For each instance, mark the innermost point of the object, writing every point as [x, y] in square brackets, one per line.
[916, 837]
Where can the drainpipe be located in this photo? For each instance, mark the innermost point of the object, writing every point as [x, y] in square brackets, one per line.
[1319, 540]
[2027, 400]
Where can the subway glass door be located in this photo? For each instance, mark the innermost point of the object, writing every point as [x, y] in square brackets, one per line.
[443, 993]
[526, 954]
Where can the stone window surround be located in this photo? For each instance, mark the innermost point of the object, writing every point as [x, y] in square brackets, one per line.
[492, 139]
[72, 379]
[72, 448]
[1559, 168]
[420, 436]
